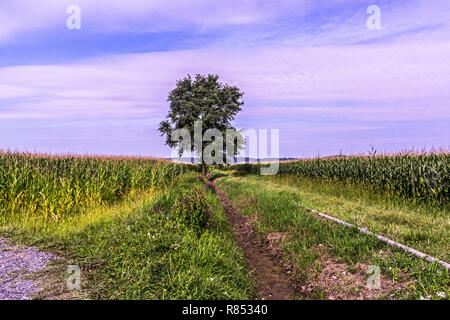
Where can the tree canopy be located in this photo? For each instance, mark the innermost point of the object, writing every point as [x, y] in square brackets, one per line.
[204, 99]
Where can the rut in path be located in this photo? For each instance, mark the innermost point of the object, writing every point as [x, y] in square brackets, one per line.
[270, 279]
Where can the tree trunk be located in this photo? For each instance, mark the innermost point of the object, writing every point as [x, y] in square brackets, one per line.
[203, 170]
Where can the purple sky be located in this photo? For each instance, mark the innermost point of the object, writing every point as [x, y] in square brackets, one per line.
[309, 68]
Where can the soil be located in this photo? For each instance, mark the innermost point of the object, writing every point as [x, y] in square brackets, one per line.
[339, 283]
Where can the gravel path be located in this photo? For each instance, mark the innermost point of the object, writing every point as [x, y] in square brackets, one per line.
[15, 264]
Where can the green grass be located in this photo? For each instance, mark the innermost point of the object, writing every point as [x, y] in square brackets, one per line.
[422, 226]
[141, 248]
[280, 205]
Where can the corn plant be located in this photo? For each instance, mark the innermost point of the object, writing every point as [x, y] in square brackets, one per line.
[54, 186]
[422, 177]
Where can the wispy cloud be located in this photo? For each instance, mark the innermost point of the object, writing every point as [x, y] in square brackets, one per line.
[19, 16]
[308, 21]
[139, 83]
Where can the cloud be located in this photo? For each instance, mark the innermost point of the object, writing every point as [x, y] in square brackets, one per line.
[308, 21]
[19, 16]
[136, 84]
[400, 21]
[366, 111]
[405, 78]
[11, 92]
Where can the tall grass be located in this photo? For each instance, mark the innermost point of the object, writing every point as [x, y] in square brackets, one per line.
[52, 187]
[422, 177]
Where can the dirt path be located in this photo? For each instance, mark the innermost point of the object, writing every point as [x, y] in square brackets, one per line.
[271, 280]
[335, 280]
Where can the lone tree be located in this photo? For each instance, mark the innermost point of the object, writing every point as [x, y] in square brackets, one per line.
[213, 103]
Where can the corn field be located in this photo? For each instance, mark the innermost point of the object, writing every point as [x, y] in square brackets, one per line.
[422, 177]
[54, 186]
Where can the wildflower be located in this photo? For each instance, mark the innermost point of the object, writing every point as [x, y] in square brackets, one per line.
[441, 294]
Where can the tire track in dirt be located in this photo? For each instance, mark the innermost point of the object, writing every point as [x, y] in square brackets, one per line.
[270, 279]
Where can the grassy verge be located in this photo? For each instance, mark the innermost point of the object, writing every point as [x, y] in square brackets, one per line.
[143, 249]
[422, 226]
[278, 205]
